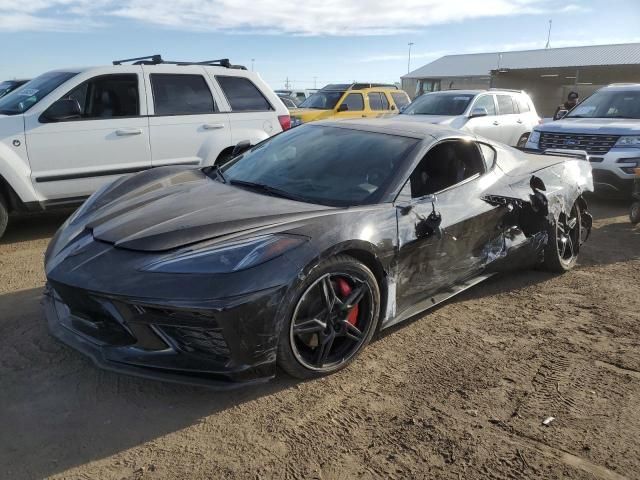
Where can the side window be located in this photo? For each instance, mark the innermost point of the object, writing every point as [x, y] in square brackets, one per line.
[486, 102]
[181, 94]
[108, 96]
[445, 165]
[505, 105]
[385, 102]
[523, 104]
[375, 101]
[489, 155]
[301, 96]
[243, 95]
[400, 99]
[354, 102]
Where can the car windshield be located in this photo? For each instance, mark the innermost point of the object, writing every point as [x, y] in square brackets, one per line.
[32, 92]
[609, 104]
[450, 104]
[322, 164]
[322, 100]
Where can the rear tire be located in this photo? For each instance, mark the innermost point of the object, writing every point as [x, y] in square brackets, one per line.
[4, 216]
[321, 336]
[634, 213]
[523, 140]
[565, 235]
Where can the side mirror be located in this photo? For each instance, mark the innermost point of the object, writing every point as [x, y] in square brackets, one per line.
[393, 107]
[63, 109]
[343, 107]
[478, 112]
[241, 147]
[561, 114]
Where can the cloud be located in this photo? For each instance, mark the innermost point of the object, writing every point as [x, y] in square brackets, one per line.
[329, 17]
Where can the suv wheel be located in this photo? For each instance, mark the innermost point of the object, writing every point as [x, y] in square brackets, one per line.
[523, 140]
[4, 216]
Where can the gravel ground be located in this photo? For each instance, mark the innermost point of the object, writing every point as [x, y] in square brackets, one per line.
[459, 393]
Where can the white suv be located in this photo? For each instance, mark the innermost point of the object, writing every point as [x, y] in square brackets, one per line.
[67, 132]
[506, 116]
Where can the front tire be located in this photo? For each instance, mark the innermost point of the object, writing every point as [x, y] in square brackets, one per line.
[333, 315]
[565, 236]
[4, 216]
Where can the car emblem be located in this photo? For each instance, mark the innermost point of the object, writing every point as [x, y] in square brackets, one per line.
[570, 142]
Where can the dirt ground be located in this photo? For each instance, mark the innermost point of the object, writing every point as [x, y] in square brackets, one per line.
[459, 393]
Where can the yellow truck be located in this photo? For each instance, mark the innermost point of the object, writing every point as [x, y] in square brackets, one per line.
[354, 100]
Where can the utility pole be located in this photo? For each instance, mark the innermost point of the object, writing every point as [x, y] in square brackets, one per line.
[252, 61]
[409, 62]
[314, 82]
[286, 84]
[549, 35]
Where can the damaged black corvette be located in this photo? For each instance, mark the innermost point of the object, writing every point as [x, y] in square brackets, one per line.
[297, 251]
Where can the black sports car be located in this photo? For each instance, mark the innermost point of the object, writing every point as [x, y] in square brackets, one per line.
[298, 250]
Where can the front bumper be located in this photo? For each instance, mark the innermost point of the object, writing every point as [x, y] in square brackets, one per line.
[221, 345]
[609, 178]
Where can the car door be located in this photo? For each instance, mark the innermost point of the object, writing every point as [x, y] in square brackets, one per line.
[510, 121]
[443, 230]
[488, 125]
[251, 115]
[72, 158]
[376, 104]
[186, 125]
[351, 106]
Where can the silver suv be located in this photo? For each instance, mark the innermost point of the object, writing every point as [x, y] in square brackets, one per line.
[607, 127]
[506, 116]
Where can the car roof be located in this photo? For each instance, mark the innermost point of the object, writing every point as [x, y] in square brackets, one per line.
[458, 92]
[629, 87]
[395, 126]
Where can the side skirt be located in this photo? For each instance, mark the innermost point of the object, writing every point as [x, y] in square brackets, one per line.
[437, 299]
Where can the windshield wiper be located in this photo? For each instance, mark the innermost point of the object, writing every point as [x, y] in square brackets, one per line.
[268, 189]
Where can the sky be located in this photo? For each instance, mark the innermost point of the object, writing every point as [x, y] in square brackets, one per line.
[309, 43]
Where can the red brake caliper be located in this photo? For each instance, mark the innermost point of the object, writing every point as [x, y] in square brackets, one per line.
[345, 289]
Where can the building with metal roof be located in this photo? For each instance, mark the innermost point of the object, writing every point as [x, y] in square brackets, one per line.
[548, 74]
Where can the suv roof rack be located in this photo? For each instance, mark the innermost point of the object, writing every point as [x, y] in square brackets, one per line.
[158, 60]
[357, 86]
[492, 89]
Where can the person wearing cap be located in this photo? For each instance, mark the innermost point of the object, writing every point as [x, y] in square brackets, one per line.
[572, 100]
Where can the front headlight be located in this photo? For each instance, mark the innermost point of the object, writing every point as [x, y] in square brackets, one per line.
[231, 257]
[628, 141]
[534, 137]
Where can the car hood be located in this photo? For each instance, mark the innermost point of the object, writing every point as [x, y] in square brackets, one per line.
[436, 119]
[185, 207]
[310, 114]
[604, 126]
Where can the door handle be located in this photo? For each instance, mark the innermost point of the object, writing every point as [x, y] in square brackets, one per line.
[123, 132]
[519, 121]
[496, 122]
[213, 126]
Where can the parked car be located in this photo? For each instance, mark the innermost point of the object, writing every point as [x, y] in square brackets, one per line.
[607, 127]
[506, 116]
[9, 86]
[355, 100]
[68, 132]
[298, 96]
[288, 101]
[296, 252]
